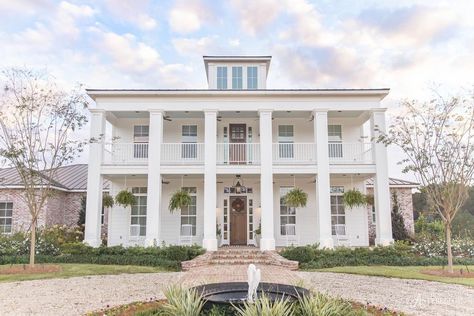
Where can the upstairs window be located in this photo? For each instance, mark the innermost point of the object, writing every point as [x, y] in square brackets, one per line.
[285, 141]
[237, 78]
[189, 140]
[140, 131]
[6, 216]
[252, 78]
[222, 78]
[140, 138]
[335, 141]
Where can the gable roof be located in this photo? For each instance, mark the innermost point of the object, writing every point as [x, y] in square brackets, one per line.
[395, 183]
[68, 178]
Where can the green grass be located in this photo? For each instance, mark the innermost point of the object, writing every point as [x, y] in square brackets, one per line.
[409, 272]
[72, 270]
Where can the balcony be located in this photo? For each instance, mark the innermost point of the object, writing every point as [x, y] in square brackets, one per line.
[294, 153]
[350, 153]
[238, 154]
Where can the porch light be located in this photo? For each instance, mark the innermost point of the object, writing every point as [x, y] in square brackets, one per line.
[238, 184]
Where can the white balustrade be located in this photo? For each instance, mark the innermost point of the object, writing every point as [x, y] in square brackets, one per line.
[182, 153]
[350, 153]
[294, 153]
[125, 153]
[238, 153]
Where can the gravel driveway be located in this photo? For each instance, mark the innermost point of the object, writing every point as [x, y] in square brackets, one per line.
[413, 297]
[79, 295]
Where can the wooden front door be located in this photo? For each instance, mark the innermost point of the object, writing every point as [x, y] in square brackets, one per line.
[238, 220]
[238, 138]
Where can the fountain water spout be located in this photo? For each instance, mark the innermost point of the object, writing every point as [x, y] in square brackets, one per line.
[253, 279]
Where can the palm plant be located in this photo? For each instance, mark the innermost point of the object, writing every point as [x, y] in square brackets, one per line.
[179, 200]
[264, 307]
[181, 302]
[318, 304]
[296, 197]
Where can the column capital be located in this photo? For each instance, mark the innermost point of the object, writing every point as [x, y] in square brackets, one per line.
[320, 111]
[378, 110]
[155, 111]
[264, 111]
[97, 111]
[210, 111]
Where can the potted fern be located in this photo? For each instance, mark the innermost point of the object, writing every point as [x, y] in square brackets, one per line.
[179, 200]
[296, 198]
[125, 198]
[107, 201]
[354, 198]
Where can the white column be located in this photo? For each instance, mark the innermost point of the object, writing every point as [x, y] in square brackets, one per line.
[210, 199]
[381, 188]
[323, 202]
[95, 179]
[153, 206]
[267, 241]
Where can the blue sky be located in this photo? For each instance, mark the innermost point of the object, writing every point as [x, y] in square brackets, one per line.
[409, 46]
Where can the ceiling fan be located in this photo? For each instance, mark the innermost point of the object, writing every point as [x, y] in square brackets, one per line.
[167, 118]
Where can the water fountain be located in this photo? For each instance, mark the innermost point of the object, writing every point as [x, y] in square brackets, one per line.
[237, 293]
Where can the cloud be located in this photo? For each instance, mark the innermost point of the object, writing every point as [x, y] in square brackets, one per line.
[188, 16]
[134, 12]
[255, 16]
[67, 14]
[194, 46]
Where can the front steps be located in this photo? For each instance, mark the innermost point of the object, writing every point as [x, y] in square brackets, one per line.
[239, 256]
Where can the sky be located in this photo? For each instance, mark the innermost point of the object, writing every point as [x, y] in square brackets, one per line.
[411, 47]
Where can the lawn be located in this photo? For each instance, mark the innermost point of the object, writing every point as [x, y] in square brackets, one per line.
[72, 270]
[410, 272]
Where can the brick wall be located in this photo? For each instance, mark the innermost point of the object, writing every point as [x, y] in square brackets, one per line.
[61, 209]
[405, 201]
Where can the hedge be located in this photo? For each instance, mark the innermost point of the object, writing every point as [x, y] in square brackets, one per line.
[311, 257]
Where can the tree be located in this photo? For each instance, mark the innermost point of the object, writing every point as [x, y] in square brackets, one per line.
[81, 220]
[38, 121]
[398, 224]
[437, 138]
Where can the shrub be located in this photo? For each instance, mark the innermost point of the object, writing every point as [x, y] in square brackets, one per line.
[263, 306]
[181, 302]
[429, 229]
[320, 304]
[399, 254]
[461, 247]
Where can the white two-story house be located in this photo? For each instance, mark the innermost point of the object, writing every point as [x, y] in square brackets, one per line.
[237, 148]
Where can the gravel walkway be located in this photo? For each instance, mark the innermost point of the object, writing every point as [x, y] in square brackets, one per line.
[79, 295]
[413, 297]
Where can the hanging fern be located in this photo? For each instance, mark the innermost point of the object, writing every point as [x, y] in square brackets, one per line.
[369, 199]
[107, 201]
[125, 198]
[179, 200]
[354, 198]
[296, 198]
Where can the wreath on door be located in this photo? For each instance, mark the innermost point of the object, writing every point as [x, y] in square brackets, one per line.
[238, 205]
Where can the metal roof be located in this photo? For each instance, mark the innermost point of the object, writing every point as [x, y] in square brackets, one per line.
[394, 182]
[68, 178]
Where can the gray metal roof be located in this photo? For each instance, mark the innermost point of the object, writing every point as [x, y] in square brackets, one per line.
[69, 178]
[394, 182]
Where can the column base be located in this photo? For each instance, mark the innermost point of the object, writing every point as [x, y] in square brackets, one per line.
[152, 242]
[267, 244]
[383, 241]
[210, 244]
[326, 243]
[93, 242]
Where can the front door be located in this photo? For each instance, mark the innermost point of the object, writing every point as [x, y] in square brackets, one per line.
[238, 136]
[238, 220]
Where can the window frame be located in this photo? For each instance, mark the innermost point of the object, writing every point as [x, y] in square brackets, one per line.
[141, 193]
[193, 193]
[237, 79]
[5, 218]
[286, 141]
[189, 135]
[337, 192]
[221, 77]
[252, 78]
[335, 141]
[289, 212]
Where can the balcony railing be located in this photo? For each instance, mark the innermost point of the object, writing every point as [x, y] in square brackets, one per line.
[182, 153]
[350, 153]
[238, 154]
[126, 153]
[294, 153]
